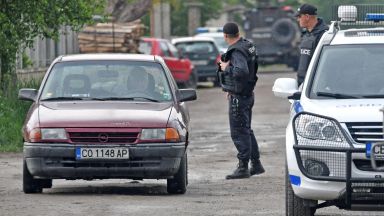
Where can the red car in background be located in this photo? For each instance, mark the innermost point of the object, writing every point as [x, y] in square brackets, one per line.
[181, 68]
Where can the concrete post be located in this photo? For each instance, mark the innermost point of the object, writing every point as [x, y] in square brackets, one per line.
[161, 19]
[194, 15]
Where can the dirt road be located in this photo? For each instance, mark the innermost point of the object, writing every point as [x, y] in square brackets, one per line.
[211, 156]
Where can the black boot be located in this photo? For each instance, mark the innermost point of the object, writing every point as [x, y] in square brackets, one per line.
[242, 171]
[256, 167]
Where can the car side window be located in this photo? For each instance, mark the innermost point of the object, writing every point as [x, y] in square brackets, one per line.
[173, 50]
[164, 48]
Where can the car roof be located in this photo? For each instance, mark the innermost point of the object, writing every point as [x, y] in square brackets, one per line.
[359, 36]
[109, 56]
[189, 39]
[210, 34]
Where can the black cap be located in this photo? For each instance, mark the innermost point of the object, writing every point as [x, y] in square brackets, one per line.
[231, 28]
[306, 9]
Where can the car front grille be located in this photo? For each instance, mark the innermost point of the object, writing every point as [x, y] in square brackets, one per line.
[102, 136]
[363, 132]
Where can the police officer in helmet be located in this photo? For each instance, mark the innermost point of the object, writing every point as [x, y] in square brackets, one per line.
[237, 72]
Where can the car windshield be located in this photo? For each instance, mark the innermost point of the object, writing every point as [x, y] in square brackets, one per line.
[349, 71]
[107, 80]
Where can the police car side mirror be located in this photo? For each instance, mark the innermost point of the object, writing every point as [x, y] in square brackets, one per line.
[285, 87]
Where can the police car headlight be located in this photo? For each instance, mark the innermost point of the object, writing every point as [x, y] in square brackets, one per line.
[315, 127]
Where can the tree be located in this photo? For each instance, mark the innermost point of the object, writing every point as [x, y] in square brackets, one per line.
[21, 21]
[127, 11]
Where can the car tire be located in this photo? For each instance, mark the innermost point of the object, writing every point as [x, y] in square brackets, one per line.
[294, 205]
[192, 81]
[178, 184]
[30, 185]
[284, 31]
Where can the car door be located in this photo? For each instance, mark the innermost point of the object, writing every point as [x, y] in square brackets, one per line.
[172, 61]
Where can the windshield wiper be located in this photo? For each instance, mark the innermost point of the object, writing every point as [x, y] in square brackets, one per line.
[128, 98]
[336, 95]
[61, 98]
[373, 96]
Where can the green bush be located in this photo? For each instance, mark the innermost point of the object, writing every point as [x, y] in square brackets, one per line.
[12, 115]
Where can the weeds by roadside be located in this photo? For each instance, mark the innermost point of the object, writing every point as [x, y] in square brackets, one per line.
[12, 115]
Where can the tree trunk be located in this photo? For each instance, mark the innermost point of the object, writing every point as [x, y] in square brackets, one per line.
[125, 12]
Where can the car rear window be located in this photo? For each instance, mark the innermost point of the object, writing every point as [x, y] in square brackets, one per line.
[107, 79]
[145, 47]
[196, 47]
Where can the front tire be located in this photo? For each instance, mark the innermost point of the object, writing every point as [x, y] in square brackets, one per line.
[31, 185]
[178, 184]
[294, 205]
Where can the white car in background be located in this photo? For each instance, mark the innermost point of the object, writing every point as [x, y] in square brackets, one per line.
[334, 139]
[219, 39]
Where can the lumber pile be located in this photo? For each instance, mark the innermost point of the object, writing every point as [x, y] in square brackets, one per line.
[111, 37]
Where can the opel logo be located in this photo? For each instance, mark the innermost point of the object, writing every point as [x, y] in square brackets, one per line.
[103, 137]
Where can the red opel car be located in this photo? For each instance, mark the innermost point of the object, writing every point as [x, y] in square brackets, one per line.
[99, 116]
[182, 69]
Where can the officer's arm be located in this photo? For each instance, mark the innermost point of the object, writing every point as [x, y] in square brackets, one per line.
[238, 66]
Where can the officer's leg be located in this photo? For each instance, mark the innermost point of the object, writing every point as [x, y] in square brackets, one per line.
[256, 166]
[240, 136]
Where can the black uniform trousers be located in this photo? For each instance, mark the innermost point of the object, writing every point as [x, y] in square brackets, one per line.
[240, 117]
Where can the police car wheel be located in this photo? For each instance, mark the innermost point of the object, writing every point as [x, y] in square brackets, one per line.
[294, 205]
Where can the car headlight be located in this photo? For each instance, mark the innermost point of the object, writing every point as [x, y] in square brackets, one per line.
[42, 134]
[160, 134]
[53, 134]
[316, 127]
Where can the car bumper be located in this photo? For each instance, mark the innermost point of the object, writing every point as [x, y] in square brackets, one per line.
[206, 73]
[58, 161]
[348, 186]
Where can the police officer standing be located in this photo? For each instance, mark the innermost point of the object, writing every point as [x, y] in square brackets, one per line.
[314, 29]
[238, 68]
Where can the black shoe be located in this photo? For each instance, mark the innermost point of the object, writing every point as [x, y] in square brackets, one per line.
[242, 171]
[256, 167]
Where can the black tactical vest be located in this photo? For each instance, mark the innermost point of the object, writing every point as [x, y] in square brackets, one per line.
[246, 85]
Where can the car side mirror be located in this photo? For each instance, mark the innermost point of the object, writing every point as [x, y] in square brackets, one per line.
[286, 87]
[187, 95]
[27, 94]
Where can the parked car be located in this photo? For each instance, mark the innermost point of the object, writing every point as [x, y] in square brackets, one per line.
[218, 37]
[204, 54]
[101, 116]
[334, 138]
[181, 68]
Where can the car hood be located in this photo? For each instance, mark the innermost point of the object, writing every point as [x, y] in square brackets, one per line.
[347, 110]
[104, 114]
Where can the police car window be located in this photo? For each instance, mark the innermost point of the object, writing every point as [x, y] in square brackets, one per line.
[355, 70]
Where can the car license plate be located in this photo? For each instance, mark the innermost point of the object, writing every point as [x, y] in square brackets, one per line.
[377, 150]
[201, 62]
[102, 153]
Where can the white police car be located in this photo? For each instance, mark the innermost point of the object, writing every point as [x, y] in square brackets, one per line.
[216, 33]
[334, 139]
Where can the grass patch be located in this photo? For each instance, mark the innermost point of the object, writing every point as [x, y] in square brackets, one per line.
[12, 116]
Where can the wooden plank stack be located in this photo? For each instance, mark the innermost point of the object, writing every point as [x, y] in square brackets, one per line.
[111, 37]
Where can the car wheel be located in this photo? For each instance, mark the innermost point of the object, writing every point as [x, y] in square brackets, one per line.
[294, 205]
[284, 31]
[31, 185]
[192, 81]
[178, 184]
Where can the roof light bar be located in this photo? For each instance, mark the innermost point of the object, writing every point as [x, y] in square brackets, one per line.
[375, 17]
